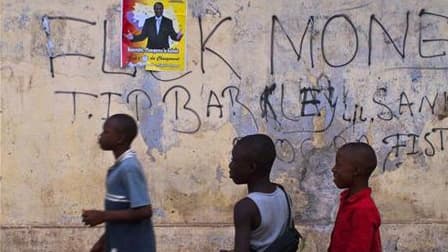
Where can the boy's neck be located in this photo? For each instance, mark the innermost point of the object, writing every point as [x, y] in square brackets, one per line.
[358, 186]
[263, 185]
[120, 150]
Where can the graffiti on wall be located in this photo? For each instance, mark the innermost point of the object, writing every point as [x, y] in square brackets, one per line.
[291, 110]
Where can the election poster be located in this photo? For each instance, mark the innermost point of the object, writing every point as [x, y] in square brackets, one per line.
[153, 34]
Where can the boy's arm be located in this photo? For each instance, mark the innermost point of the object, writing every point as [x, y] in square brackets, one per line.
[243, 215]
[363, 233]
[96, 217]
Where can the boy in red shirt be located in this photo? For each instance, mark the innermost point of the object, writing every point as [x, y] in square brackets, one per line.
[358, 221]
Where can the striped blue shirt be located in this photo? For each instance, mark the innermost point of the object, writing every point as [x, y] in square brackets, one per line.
[126, 187]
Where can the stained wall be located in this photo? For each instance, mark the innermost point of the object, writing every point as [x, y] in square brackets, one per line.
[311, 74]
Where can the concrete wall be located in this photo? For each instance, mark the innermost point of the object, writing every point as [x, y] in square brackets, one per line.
[352, 82]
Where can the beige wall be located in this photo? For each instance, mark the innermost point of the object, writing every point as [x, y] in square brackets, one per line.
[51, 167]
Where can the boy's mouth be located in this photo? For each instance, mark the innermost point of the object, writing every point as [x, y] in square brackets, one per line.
[230, 174]
[335, 177]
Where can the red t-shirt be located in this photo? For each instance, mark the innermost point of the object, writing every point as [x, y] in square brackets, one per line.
[357, 226]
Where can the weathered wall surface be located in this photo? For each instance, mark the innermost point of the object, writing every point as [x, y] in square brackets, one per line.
[311, 74]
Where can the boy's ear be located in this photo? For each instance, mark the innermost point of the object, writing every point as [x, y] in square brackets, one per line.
[357, 171]
[122, 139]
[253, 167]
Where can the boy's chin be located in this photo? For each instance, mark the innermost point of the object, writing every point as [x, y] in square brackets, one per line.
[338, 185]
[105, 148]
[237, 182]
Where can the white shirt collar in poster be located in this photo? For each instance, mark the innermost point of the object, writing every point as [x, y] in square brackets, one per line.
[158, 21]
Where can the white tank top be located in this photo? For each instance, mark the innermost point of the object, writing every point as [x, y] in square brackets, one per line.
[273, 210]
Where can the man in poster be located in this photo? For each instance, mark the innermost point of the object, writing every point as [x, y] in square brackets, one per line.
[157, 29]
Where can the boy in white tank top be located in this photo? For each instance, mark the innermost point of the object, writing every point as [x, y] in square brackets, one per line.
[262, 216]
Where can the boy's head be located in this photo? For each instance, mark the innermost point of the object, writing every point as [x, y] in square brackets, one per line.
[252, 157]
[118, 130]
[354, 162]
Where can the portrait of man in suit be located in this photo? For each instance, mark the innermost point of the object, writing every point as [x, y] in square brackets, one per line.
[158, 29]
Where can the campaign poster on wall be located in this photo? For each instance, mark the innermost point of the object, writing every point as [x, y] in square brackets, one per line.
[153, 34]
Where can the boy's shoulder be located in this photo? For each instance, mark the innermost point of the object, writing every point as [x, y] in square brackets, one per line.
[366, 208]
[245, 208]
[130, 160]
[365, 205]
[244, 203]
[361, 201]
[130, 164]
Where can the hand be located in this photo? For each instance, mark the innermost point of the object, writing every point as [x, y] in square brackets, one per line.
[92, 217]
[179, 36]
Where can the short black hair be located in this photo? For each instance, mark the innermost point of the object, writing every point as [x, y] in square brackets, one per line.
[361, 155]
[125, 125]
[156, 3]
[259, 148]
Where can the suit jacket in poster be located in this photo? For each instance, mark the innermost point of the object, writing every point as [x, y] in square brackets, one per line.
[157, 41]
